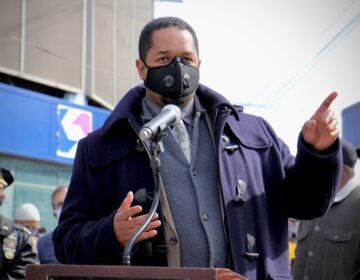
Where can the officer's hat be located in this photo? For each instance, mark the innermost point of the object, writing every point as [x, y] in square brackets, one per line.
[6, 178]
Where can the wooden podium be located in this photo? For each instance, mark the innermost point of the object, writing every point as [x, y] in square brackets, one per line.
[96, 272]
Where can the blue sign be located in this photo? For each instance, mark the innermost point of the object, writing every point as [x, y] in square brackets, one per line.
[73, 124]
[42, 127]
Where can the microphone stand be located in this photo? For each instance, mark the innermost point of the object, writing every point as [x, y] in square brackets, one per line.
[156, 148]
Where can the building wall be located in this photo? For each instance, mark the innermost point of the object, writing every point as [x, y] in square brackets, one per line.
[81, 46]
[117, 28]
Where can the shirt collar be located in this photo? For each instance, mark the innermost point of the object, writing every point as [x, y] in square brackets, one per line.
[150, 110]
[346, 190]
[187, 113]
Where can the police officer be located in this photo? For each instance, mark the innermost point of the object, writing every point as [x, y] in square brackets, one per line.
[16, 247]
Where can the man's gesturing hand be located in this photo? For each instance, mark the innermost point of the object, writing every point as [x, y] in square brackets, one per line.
[125, 224]
[321, 130]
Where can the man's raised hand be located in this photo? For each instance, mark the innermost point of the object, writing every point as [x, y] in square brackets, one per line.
[321, 131]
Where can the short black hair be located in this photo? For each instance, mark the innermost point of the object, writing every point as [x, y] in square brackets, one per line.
[6, 175]
[145, 40]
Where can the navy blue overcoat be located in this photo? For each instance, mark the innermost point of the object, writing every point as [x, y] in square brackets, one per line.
[111, 161]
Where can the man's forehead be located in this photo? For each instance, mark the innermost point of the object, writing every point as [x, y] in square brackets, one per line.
[168, 36]
[60, 194]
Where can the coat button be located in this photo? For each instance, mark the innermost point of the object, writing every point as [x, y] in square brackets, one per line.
[205, 217]
[173, 241]
[195, 172]
[241, 186]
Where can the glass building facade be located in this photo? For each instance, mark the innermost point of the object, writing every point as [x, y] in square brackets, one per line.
[34, 182]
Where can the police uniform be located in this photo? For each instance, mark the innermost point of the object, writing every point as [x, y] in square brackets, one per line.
[16, 247]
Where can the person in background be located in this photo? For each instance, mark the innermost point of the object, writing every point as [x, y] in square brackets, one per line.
[293, 229]
[16, 247]
[329, 247]
[45, 246]
[228, 183]
[28, 215]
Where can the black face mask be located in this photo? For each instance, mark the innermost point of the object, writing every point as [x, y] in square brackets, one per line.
[174, 80]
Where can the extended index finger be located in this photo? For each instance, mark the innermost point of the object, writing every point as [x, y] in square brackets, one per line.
[325, 105]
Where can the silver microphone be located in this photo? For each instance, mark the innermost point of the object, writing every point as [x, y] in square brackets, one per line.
[169, 115]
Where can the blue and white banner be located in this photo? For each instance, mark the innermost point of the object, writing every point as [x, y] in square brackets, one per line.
[73, 124]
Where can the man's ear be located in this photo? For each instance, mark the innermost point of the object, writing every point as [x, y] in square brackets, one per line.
[141, 68]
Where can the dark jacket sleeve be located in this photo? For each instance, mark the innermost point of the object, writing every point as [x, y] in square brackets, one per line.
[85, 235]
[310, 179]
[301, 187]
[316, 176]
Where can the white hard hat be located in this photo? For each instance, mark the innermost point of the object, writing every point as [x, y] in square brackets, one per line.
[27, 212]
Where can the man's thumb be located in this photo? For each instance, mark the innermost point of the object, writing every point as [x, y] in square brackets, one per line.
[126, 203]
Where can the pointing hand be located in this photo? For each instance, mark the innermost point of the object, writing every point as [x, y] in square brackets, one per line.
[322, 130]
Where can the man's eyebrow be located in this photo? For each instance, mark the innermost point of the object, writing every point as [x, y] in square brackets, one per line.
[163, 52]
[187, 53]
